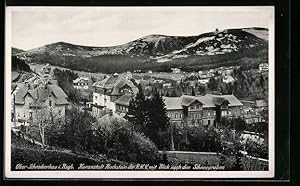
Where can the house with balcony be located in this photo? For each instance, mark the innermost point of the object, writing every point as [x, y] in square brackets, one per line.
[107, 91]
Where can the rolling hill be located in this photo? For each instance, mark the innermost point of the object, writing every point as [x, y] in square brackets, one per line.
[159, 52]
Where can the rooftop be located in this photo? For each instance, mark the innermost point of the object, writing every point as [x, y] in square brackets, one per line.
[124, 99]
[115, 83]
[40, 94]
[207, 101]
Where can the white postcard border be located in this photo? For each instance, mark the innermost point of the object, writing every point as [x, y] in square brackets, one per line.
[8, 174]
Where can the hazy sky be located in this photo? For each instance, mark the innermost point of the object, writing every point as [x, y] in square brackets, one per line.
[107, 26]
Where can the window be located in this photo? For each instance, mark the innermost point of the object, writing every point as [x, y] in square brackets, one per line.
[59, 112]
[214, 113]
[208, 122]
[176, 115]
[235, 111]
[224, 113]
[180, 115]
[208, 113]
[30, 115]
[198, 106]
[192, 107]
[24, 115]
[50, 103]
[229, 112]
[18, 115]
[95, 97]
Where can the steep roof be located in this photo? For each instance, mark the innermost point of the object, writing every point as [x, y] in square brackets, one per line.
[41, 93]
[122, 83]
[124, 99]
[116, 82]
[110, 81]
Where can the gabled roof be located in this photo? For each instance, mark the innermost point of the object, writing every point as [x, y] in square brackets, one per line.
[40, 94]
[122, 83]
[124, 99]
[115, 83]
[188, 100]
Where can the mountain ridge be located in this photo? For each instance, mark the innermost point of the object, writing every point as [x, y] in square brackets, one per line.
[156, 50]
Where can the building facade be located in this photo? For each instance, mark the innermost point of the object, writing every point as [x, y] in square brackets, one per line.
[205, 110]
[30, 105]
[107, 92]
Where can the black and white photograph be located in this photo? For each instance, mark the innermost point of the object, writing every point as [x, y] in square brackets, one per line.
[139, 92]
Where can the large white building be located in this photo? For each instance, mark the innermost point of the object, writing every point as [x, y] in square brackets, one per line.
[107, 92]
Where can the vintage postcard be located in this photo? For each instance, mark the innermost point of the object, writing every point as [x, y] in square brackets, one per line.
[139, 92]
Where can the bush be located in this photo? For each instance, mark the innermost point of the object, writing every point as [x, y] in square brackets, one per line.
[120, 142]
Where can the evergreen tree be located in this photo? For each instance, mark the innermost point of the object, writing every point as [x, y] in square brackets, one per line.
[159, 120]
[137, 110]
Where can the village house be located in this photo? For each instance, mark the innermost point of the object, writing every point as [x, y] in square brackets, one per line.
[30, 104]
[187, 111]
[109, 90]
[81, 83]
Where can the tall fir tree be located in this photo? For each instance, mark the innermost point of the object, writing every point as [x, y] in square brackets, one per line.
[159, 121]
[138, 111]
